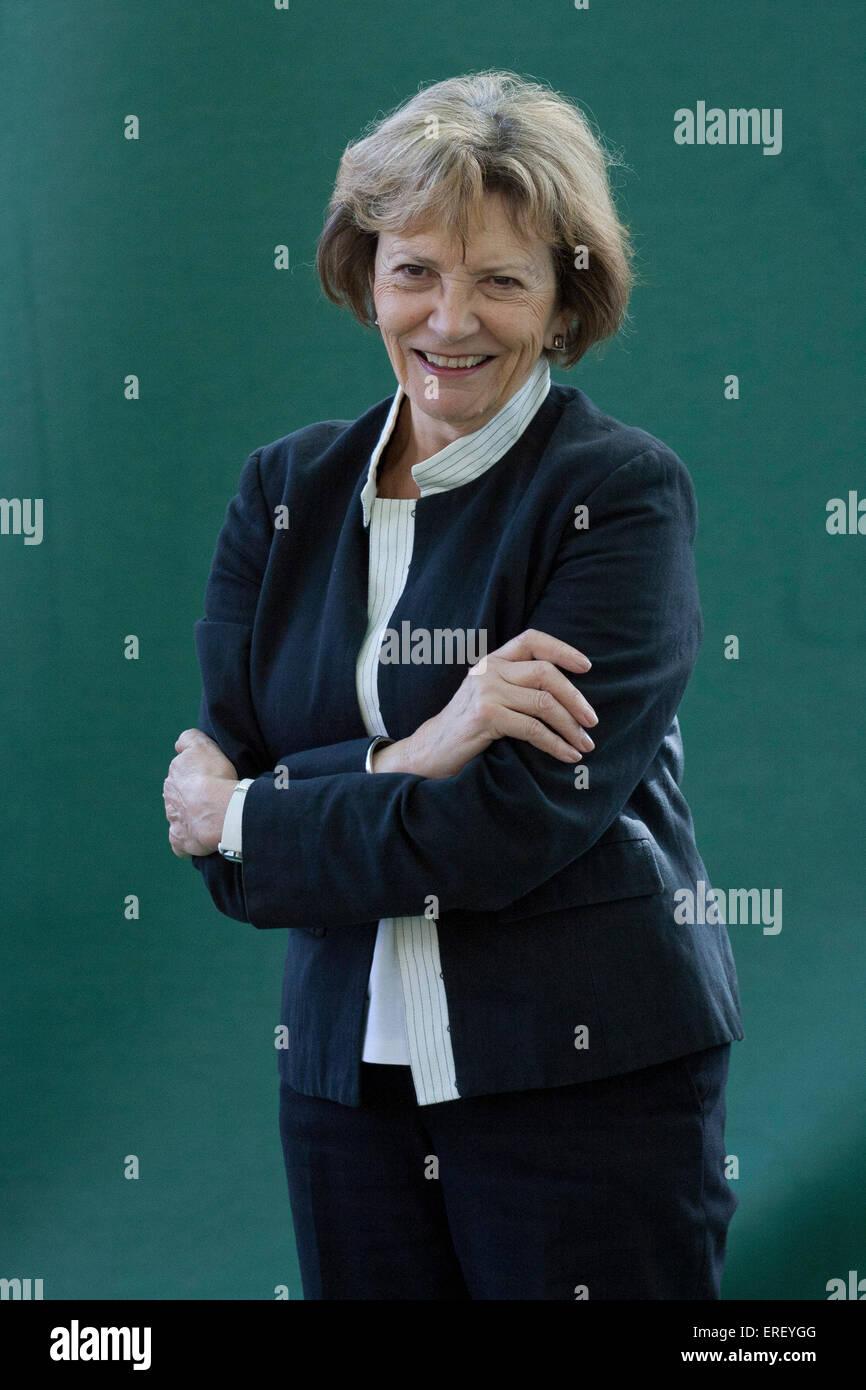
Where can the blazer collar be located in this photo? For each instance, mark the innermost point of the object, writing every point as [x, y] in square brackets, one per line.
[472, 454]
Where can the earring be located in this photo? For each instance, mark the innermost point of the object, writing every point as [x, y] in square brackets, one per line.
[558, 342]
[375, 320]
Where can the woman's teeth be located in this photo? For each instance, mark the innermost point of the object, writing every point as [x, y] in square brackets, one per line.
[453, 361]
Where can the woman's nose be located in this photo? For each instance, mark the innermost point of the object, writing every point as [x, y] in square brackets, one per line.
[453, 316]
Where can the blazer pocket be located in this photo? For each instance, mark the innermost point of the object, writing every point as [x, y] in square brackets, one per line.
[606, 873]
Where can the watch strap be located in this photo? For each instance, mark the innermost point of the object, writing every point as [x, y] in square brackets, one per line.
[230, 846]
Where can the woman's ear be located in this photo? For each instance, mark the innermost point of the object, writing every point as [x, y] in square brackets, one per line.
[563, 322]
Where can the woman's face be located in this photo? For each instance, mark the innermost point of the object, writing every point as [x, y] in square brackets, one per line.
[498, 303]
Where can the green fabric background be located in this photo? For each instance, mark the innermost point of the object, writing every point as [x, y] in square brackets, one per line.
[155, 1037]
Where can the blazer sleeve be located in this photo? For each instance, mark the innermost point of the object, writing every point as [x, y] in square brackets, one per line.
[222, 641]
[338, 850]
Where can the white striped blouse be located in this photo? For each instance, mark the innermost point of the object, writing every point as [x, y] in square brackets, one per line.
[407, 1006]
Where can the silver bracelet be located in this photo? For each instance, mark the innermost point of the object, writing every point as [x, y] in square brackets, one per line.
[378, 741]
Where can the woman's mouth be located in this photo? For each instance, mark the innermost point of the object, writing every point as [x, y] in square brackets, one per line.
[452, 366]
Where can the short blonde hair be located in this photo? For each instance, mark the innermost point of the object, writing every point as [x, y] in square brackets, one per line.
[437, 154]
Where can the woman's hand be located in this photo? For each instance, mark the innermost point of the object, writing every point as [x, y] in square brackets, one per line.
[196, 793]
[514, 692]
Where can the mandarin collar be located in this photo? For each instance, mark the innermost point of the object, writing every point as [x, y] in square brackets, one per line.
[470, 455]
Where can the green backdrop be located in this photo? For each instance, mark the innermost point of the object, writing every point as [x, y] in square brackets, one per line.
[153, 1036]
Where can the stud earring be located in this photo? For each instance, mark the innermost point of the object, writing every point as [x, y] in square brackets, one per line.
[375, 320]
[558, 342]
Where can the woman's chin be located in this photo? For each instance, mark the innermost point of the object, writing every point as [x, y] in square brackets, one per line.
[451, 407]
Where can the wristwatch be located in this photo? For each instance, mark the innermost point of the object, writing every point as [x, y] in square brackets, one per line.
[230, 844]
[378, 742]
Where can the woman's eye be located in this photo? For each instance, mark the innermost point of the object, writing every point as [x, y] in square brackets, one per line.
[411, 271]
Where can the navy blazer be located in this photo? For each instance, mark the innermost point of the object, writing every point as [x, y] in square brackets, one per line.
[555, 901]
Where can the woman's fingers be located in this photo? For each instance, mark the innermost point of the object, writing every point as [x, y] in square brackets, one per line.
[514, 724]
[199, 749]
[540, 704]
[533, 645]
[543, 675]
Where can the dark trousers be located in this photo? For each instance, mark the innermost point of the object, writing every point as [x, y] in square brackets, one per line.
[610, 1189]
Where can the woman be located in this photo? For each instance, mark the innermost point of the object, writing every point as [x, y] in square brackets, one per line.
[502, 1059]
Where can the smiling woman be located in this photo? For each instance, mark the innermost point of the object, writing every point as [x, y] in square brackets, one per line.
[476, 333]
[436, 158]
[464, 330]
[482, 959]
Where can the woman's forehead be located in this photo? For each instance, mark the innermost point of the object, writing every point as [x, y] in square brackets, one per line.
[492, 234]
